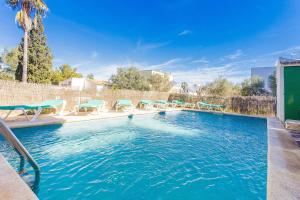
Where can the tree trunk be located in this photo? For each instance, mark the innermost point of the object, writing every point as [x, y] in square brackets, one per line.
[25, 57]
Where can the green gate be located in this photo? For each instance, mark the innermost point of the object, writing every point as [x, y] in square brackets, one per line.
[292, 92]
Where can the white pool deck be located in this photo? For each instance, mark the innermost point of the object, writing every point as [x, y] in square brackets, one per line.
[283, 156]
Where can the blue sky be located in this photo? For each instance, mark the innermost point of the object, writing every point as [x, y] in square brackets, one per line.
[195, 40]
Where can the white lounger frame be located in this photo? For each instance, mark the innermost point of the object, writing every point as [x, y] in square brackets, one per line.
[37, 112]
[100, 108]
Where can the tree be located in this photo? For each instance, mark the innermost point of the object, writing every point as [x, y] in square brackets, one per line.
[68, 72]
[273, 83]
[64, 72]
[129, 78]
[220, 87]
[6, 76]
[185, 87]
[160, 83]
[11, 59]
[253, 86]
[27, 9]
[39, 55]
[90, 76]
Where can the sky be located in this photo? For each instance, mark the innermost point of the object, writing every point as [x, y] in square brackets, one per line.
[195, 40]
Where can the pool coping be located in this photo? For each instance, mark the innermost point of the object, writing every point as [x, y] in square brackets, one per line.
[70, 117]
[226, 113]
[283, 181]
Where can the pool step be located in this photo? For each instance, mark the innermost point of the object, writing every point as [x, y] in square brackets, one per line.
[28, 179]
[292, 124]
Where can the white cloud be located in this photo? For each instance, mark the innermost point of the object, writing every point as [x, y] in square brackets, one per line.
[285, 52]
[104, 72]
[184, 32]
[142, 46]
[201, 60]
[195, 71]
[235, 55]
[207, 74]
[170, 63]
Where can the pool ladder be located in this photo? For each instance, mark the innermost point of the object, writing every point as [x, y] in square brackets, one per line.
[24, 155]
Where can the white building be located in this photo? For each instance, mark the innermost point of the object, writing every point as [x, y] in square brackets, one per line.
[84, 84]
[148, 73]
[264, 73]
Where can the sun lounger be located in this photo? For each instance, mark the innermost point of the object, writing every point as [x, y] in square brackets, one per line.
[209, 106]
[161, 103]
[146, 104]
[124, 104]
[189, 105]
[38, 108]
[177, 103]
[99, 105]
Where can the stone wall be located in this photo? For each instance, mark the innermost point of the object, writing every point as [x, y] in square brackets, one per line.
[14, 93]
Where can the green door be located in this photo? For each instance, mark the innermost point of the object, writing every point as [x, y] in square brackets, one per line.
[292, 92]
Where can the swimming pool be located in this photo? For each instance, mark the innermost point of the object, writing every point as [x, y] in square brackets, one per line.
[191, 155]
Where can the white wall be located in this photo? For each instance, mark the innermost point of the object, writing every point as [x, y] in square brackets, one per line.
[280, 92]
[78, 84]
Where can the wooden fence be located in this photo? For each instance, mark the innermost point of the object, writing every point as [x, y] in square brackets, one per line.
[252, 105]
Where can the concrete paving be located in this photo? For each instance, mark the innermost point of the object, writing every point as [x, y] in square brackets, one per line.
[283, 163]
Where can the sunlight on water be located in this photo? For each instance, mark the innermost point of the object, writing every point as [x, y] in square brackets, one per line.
[73, 140]
[72, 130]
[80, 145]
[160, 126]
[77, 138]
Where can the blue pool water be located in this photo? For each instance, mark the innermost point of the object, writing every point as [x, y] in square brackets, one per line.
[180, 155]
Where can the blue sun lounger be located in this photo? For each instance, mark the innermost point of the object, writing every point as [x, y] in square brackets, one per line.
[161, 103]
[146, 104]
[177, 103]
[124, 104]
[99, 105]
[209, 106]
[38, 108]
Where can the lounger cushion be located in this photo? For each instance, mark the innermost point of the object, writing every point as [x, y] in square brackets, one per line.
[124, 102]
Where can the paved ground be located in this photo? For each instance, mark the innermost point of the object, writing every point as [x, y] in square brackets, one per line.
[283, 163]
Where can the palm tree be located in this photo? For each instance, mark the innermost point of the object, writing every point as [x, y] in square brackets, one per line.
[27, 9]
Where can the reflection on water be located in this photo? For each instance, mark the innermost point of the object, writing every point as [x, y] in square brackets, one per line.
[75, 138]
[161, 126]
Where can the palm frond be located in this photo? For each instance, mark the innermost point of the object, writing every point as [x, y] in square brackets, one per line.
[19, 19]
[23, 20]
[39, 5]
[13, 3]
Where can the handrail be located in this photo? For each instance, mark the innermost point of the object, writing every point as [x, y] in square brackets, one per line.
[21, 150]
